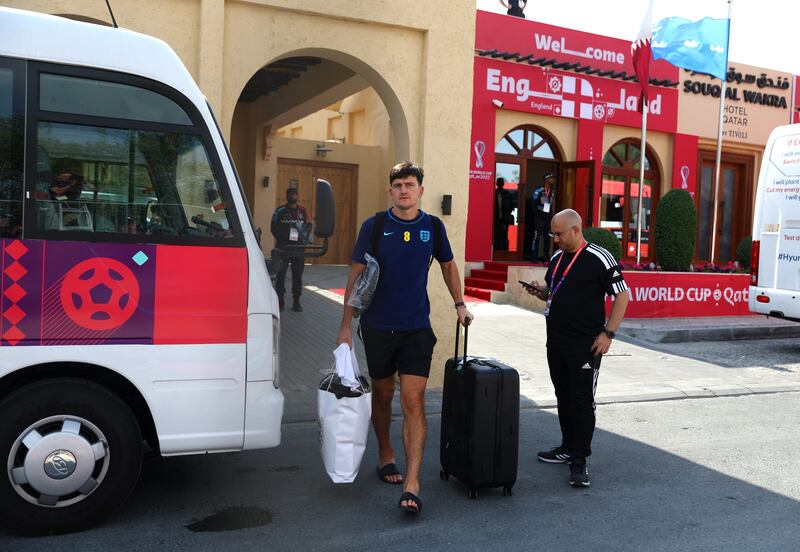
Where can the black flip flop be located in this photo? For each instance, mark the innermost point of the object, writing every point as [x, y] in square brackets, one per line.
[387, 471]
[410, 509]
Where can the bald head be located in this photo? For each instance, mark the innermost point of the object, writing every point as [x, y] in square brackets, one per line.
[566, 229]
[570, 217]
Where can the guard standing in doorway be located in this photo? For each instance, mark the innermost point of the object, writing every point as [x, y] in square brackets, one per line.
[290, 226]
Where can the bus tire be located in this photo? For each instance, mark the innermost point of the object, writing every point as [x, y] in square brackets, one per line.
[72, 451]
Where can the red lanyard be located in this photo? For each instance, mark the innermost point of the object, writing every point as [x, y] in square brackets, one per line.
[555, 288]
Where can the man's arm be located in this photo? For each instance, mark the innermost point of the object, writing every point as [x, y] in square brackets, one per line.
[345, 332]
[273, 225]
[452, 280]
[602, 342]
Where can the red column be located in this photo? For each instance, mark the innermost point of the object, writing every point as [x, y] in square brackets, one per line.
[684, 163]
[590, 147]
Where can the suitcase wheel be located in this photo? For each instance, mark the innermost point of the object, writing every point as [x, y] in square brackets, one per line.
[443, 475]
[507, 491]
[473, 492]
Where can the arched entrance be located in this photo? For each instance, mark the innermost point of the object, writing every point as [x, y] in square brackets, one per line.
[298, 119]
[522, 157]
[619, 196]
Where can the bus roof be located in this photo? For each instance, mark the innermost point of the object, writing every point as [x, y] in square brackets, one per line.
[50, 38]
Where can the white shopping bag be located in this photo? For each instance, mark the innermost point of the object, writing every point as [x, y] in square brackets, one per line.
[344, 421]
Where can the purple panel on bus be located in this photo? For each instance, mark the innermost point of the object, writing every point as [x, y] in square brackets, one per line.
[77, 293]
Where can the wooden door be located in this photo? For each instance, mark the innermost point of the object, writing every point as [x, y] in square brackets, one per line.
[303, 176]
[734, 208]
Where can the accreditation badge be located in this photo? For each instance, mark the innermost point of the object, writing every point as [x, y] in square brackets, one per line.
[549, 302]
[294, 235]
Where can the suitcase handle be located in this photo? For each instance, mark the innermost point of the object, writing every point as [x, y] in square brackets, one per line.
[458, 333]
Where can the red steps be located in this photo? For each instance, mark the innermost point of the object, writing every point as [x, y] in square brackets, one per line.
[492, 277]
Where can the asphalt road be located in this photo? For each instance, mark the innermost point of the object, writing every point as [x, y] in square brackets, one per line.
[697, 474]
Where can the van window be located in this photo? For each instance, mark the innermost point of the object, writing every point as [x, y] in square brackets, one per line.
[79, 96]
[11, 157]
[126, 181]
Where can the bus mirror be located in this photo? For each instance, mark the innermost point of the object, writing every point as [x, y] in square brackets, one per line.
[325, 211]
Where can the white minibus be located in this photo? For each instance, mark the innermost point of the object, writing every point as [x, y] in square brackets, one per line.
[135, 304]
[775, 263]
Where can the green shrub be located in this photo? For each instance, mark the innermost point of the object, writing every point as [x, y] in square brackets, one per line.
[744, 250]
[605, 239]
[675, 230]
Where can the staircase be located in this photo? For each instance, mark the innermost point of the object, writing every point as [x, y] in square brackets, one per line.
[492, 277]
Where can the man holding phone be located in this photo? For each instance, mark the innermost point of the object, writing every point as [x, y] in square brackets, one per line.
[578, 278]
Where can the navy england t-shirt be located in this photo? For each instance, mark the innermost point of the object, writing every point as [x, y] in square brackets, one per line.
[401, 301]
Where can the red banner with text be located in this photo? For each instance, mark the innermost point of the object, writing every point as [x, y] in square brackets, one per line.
[685, 294]
[547, 91]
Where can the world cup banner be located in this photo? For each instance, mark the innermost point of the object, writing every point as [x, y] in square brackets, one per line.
[685, 294]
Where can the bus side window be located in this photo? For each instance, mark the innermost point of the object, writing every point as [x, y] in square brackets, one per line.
[11, 148]
[133, 179]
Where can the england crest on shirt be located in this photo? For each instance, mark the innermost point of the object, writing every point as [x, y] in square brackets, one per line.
[424, 235]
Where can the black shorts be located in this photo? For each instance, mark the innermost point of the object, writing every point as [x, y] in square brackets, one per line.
[408, 352]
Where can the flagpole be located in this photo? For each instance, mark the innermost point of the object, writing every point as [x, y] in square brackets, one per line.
[642, 158]
[719, 148]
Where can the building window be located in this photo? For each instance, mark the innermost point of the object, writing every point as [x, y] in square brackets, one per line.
[619, 200]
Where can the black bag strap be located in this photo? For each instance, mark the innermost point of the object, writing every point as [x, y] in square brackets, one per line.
[437, 237]
[458, 333]
[377, 230]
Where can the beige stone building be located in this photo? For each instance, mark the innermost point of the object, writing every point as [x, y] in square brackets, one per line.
[394, 81]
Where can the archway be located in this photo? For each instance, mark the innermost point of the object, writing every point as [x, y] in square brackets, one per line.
[293, 89]
[522, 157]
[619, 195]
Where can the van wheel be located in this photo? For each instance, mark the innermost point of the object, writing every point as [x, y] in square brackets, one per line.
[73, 453]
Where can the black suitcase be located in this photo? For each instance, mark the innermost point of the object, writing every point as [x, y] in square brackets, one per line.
[480, 422]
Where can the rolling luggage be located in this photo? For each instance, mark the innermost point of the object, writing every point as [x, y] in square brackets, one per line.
[480, 422]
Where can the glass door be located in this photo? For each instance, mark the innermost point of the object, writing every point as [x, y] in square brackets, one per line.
[506, 212]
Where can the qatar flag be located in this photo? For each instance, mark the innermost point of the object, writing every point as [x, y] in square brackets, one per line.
[640, 50]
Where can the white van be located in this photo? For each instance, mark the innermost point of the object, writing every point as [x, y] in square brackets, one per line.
[135, 303]
[775, 264]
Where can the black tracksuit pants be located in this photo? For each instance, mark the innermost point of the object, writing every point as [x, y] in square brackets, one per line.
[574, 374]
[298, 263]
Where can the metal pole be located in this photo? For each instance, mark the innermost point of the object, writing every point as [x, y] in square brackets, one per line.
[716, 172]
[719, 148]
[642, 159]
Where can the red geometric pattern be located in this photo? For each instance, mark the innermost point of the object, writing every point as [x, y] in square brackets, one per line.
[14, 335]
[14, 314]
[15, 292]
[15, 271]
[16, 250]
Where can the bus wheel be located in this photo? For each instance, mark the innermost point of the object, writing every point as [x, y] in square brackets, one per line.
[73, 453]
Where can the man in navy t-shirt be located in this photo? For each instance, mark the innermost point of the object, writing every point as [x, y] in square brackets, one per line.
[396, 326]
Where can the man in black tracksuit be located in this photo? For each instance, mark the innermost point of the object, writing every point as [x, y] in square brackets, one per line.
[578, 278]
[289, 226]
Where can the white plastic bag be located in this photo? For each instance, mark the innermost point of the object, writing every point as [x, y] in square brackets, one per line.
[343, 422]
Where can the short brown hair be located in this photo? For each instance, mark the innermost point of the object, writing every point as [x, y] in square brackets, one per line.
[404, 169]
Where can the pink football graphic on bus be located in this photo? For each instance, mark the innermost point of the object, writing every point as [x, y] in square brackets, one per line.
[100, 293]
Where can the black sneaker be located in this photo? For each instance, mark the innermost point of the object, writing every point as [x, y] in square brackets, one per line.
[296, 306]
[558, 455]
[579, 473]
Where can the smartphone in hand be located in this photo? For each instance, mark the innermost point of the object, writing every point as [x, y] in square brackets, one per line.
[526, 285]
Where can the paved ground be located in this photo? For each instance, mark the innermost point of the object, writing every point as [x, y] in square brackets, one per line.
[707, 475]
[517, 337]
[715, 473]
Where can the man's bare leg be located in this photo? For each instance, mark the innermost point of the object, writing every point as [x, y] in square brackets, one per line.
[382, 394]
[415, 429]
